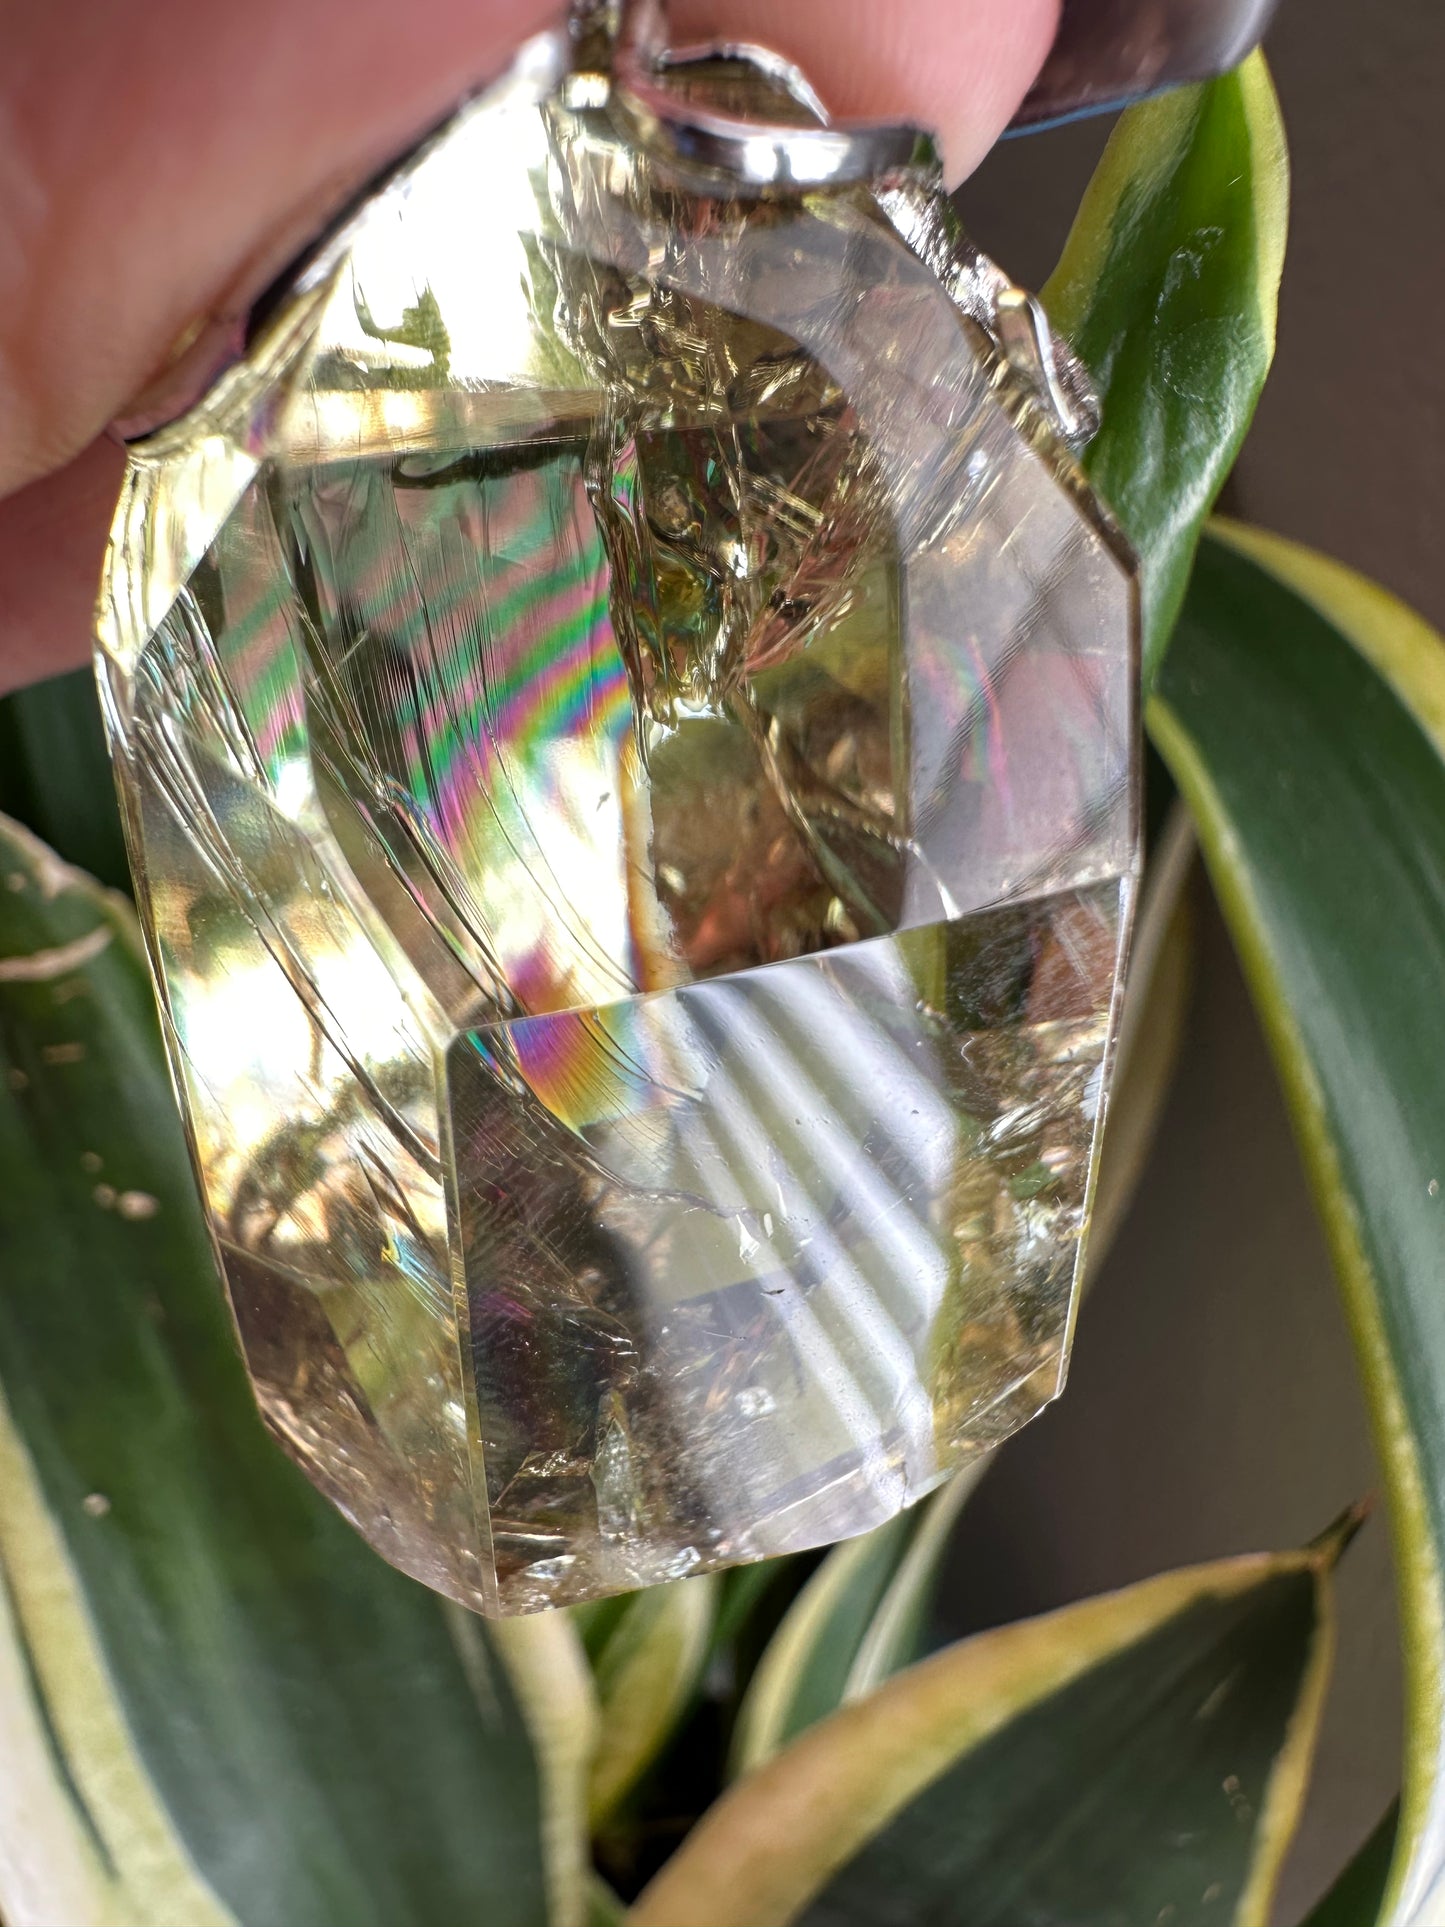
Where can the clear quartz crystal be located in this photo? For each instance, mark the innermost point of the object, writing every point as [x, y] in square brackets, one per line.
[624, 715]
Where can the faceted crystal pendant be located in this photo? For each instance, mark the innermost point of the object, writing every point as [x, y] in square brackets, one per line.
[623, 707]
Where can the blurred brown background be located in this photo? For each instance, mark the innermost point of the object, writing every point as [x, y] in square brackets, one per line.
[1213, 1405]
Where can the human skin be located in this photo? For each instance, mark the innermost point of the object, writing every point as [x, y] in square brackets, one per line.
[161, 159]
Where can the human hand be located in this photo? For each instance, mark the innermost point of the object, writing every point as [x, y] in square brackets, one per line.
[160, 161]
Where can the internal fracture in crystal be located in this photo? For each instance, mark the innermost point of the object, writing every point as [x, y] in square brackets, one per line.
[624, 716]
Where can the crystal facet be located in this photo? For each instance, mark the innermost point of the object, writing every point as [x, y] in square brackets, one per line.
[624, 714]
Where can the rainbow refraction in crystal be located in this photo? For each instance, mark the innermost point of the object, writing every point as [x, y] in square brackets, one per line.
[624, 715]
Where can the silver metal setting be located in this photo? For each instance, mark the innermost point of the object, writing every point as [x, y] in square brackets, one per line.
[614, 57]
[753, 154]
[623, 46]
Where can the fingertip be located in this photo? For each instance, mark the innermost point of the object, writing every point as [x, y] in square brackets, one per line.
[52, 537]
[170, 156]
[961, 71]
[183, 144]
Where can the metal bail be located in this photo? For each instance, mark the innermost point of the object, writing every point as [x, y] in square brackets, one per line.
[631, 36]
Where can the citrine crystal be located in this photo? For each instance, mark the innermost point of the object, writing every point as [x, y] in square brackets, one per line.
[623, 711]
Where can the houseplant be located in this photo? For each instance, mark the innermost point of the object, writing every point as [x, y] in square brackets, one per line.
[217, 1706]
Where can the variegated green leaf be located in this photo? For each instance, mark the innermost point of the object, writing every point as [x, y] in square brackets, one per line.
[226, 1711]
[898, 1631]
[802, 1674]
[1167, 288]
[1302, 711]
[805, 1673]
[1140, 1757]
[548, 1671]
[647, 1662]
[749, 1598]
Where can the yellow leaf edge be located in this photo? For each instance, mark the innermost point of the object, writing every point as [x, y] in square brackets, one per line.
[769, 1698]
[1410, 655]
[1290, 1774]
[1145, 146]
[542, 1656]
[776, 1838]
[646, 1677]
[84, 1836]
[82, 1827]
[876, 1658]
